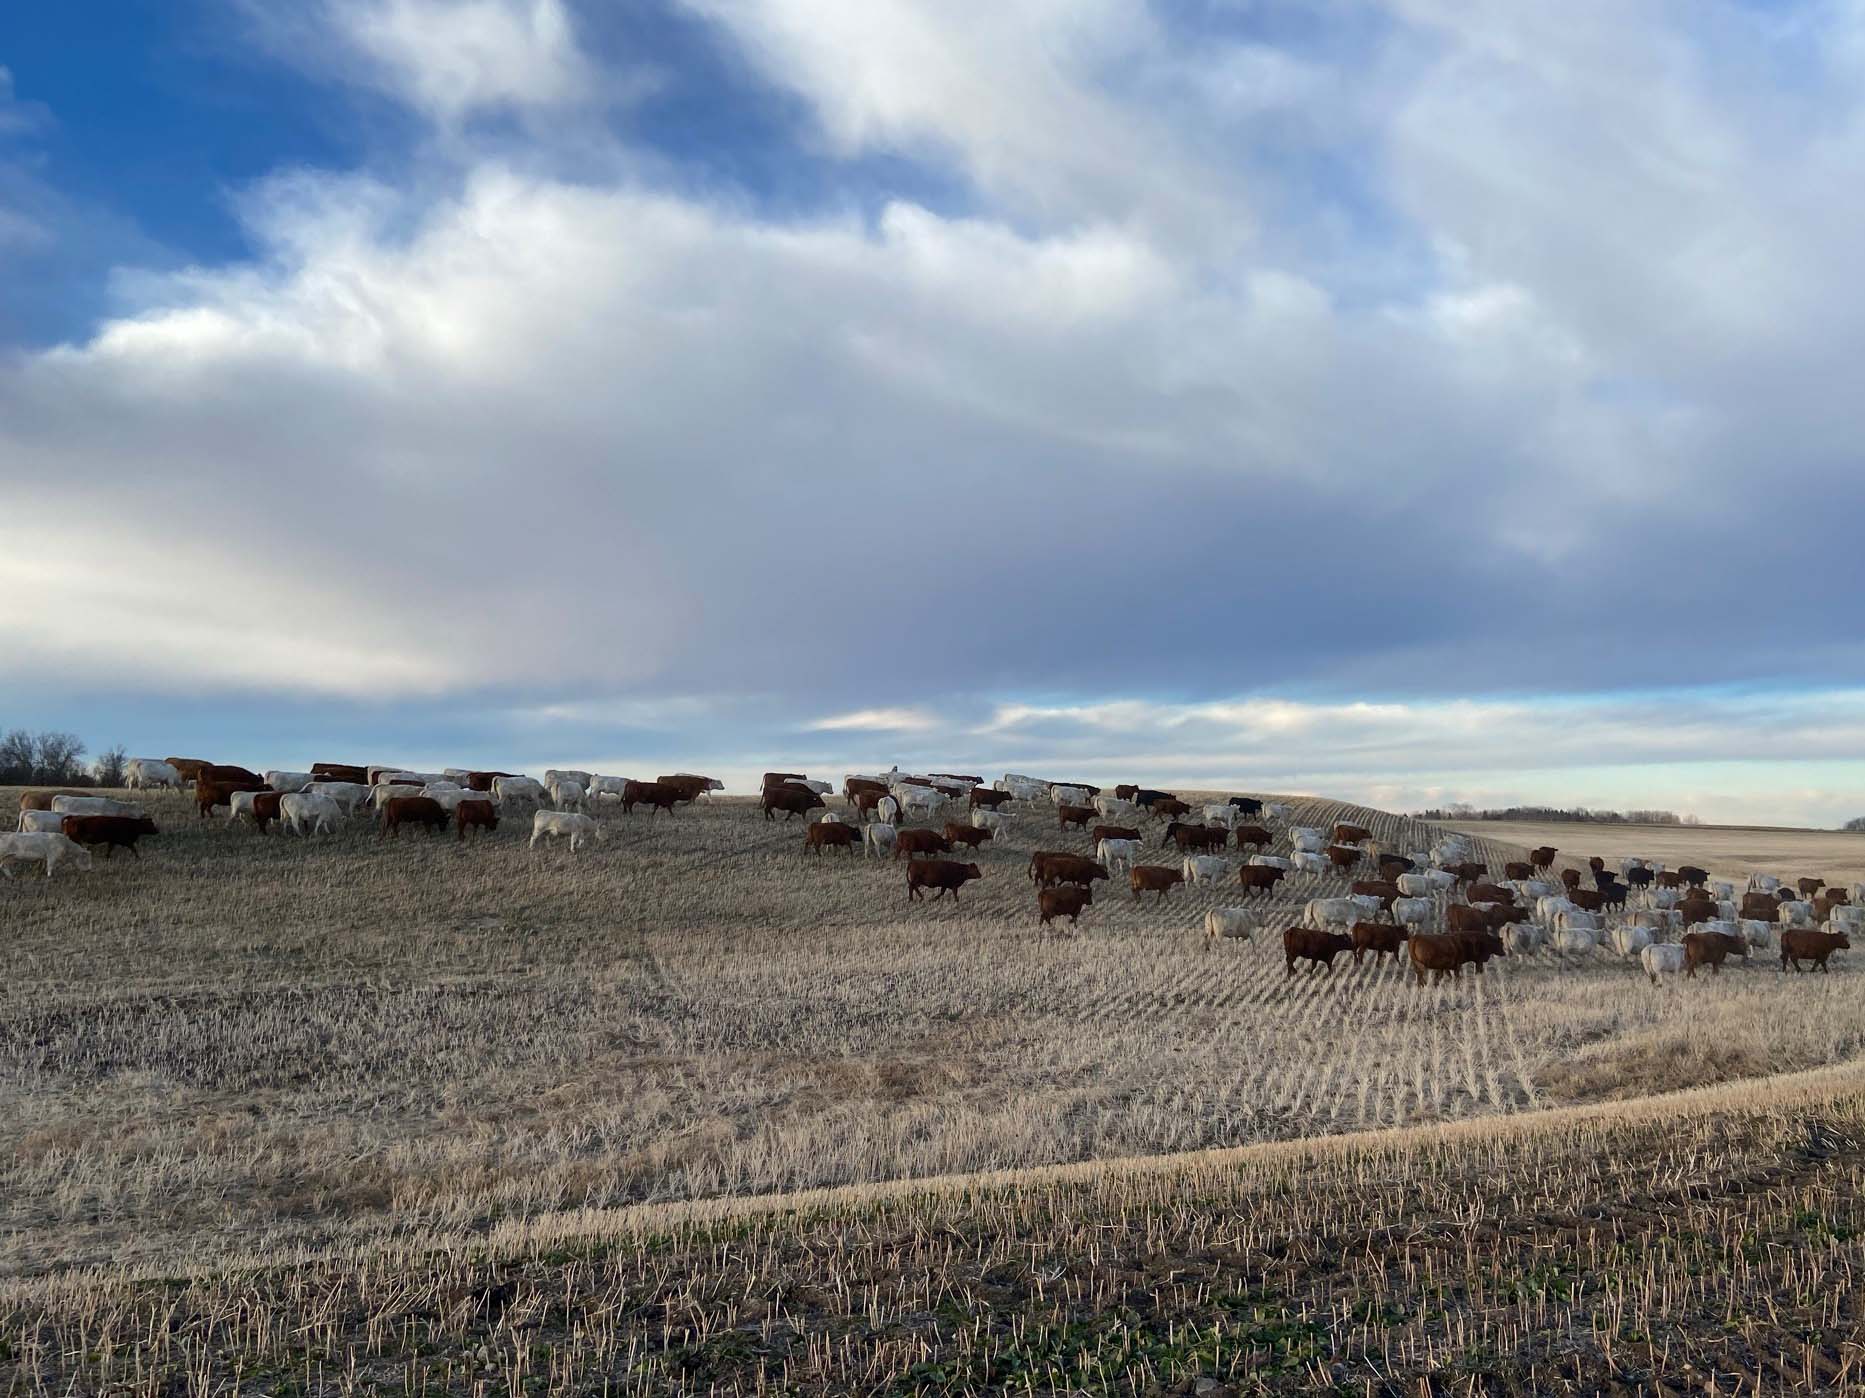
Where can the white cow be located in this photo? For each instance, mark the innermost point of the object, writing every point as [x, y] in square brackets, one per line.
[578, 828]
[606, 786]
[1547, 909]
[1111, 807]
[1662, 959]
[1858, 893]
[1577, 920]
[1225, 816]
[1306, 840]
[240, 805]
[1768, 883]
[887, 811]
[1793, 914]
[1846, 917]
[1522, 938]
[1320, 913]
[820, 788]
[1272, 861]
[1630, 939]
[95, 805]
[402, 777]
[1657, 920]
[287, 781]
[53, 821]
[1415, 885]
[384, 792]
[1307, 862]
[518, 789]
[552, 774]
[569, 794]
[919, 800]
[1023, 788]
[140, 772]
[879, 839]
[308, 813]
[1235, 923]
[1575, 942]
[982, 819]
[1538, 888]
[47, 847]
[1662, 898]
[1413, 912]
[1725, 892]
[449, 797]
[1070, 795]
[1756, 933]
[1202, 868]
[1275, 810]
[1117, 852]
[1728, 926]
[827, 818]
[350, 797]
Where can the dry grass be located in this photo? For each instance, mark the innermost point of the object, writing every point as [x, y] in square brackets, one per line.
[1730, 852]
[241, 1046]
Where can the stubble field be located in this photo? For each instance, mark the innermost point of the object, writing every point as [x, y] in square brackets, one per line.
[246, 1047]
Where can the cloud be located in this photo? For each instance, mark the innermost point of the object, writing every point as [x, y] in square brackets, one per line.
[875, 721]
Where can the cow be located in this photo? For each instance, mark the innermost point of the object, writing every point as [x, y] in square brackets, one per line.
[945, 875]
[919, 801]
[789, 798]
[1191, 837]
[221, 772]
[189, 767]
[1307, 944]
[1153, 878]
[1543, 858]
[1117, 853]
[1375, 888]
[1522, 938]
[280, 780]
[1392, 865]
[1302, 840]
[1518, 869]
[1145, 796]
[476, 815]
[1469, 871]
[1576, 941]
[691, 785]
[990, 821]
[95, 805]
[1066, 868]
[853, 788]
[1663, 959]
[1253, 837]
[877, 839]
[1809, 887]
[349, 772]
[1066, 901]
[1412, 912]
[569, 794]
[485, 781]
[1246, 805]
[42, 800]
[107, 830]
[921, 842]
[1320, 913]
[1447, 953]
[1169, 808]
[657, 797]
[572, 825]
[1798, 945]
[1459, 917]
[1794, 913]
[1692, 875]
[1113, 808]
[830, 834]
[1258, 878]
[600, 786]
[141, 772]
[1630, 939]
[1236, 924]
[1275, 810]
[1346, 834]
[1377, 937]
[1225, 816]
[1639, 877]
[209, 793]
[349, 796]
[1077, 816]
[1064, 794]
[1424, 883]
[1204, 868]
[48, 847]
[36, 822]
[1710, 949]
[1306, 862]
[1588, 900]
[522, 789]
[1342, 857]
[984, 796]
[969, 835]
[424, 811]
[309, 812]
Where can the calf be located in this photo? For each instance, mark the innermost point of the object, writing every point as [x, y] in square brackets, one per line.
[1591, 900]
[209, 793]
[108, 831]
[1077, 816]
[479, 815]
[1710, 949]
[1260, 878]
[1345, 834]
[412, 810]
[945, 875]
[1342, 856]
[1694, 876]
[970, 836]
[1066, 901]
[1798, 945]
[1153, 878]
[830, 834]
[1305, 944]
[1809, 887]
[1377, 937]
[912, 842]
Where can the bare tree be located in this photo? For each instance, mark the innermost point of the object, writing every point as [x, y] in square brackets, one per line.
[16, 754]
[108, 768]
[56, 758]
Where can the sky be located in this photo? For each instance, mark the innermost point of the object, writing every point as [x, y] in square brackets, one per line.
[1405, 401]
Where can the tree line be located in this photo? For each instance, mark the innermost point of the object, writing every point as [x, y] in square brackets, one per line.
[53, 758]
[1573, 814]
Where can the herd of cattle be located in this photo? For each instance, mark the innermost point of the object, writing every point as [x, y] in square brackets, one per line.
[1441, 909]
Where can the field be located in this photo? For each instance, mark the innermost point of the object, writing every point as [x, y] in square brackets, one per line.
[458, 1086]
[1727, 851]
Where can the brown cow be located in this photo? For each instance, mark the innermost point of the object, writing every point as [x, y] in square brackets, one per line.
[865, 801]
[1694, 910]
[1518, 869]
[1078, 816]
[1113, 832]
[1760, 905]
[1052, 868]
[1169, 808]
[1670, 878]
[831, 834]
[1596, 864]
[984, 796]
[1153, 878]
[1570, 879]
[1303, 944]
[1809, 887]
[1489, 893]
[217, 772]
[690, 785]
[1459, 918]
[1342, 856]
[1253, 837]
[946, 875]
[340, 772]
[108, 831]
[265, 808]
[789, 798]
[209, 793]
[659, 797]
[1469, 871]
[1709, 949]
[480, 815]
[1066, 901]
[412, 810]
[1638, 876]
[1543, 858]
[1446, 954]
[1590, 900]
[1798, 945]
[966, 835]
[921, 842]
[779, 778]
[855, 785]
[42, 800]
[1261, 877]
[1392, 865]
[188, 767]
[482, 781]
[1191, 837]
[1038, 857]
[1694, 876]
[1823, 905]
[1610, 893]
[1345, 834]
[1376, 888]
[1377, 937]
[1126, 791]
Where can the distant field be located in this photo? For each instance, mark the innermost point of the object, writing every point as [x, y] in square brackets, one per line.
[1732, 851]
[239, 1045]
